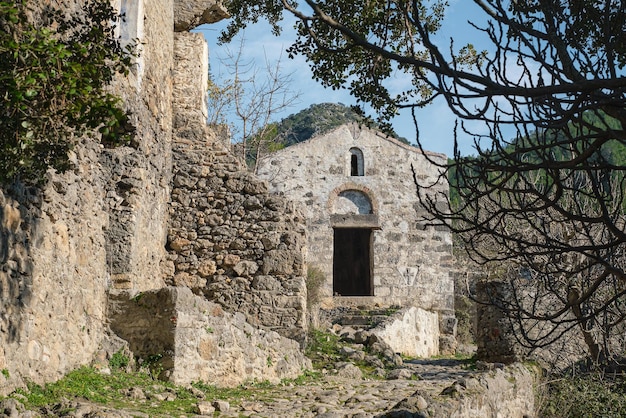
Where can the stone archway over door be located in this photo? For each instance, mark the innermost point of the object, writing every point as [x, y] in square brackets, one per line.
[352, 262]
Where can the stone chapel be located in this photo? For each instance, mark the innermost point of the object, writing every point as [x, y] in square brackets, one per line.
[366, 229]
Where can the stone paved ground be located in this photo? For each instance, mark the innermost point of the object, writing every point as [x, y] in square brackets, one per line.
[338, 396]
[417, 389]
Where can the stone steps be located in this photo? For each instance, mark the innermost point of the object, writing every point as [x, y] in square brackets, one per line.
[361, 321]
[359, 318]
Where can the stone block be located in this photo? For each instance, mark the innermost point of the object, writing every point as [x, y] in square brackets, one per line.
[198, 341]
[230, 260]
[207, 268]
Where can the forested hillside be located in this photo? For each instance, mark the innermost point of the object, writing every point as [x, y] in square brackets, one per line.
[315, 120]
[556, 146]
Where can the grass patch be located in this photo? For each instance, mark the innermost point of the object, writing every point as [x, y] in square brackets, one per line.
[315, 279]
[111, 390]
[323, 350]
[164, 399]
[119, 360]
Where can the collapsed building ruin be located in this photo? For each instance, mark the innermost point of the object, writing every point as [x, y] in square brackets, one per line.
[169, 246]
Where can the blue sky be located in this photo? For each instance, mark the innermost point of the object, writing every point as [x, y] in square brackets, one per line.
[436, 121]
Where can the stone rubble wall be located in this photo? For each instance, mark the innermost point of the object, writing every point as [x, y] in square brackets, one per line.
[138, 177]
[508, 392]
[54, 277]
[196, 340]
[495, 339]
[229, 239]
[496, 332]
[502, 392]
[97, 227]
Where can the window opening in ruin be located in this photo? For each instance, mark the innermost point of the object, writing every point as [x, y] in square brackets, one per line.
[352, 262]
[131, 30]
[356, 162]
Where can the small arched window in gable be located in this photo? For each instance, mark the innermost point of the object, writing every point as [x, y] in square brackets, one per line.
[357, 166]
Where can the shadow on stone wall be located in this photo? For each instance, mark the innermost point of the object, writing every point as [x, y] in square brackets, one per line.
[19, 211]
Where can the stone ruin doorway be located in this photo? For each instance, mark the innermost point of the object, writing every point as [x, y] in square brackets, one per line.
[352, 262]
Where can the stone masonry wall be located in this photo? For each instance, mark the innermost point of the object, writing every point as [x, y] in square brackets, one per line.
[138, 177]
[196, 340]
[100, 229]
[498, 333]
[99, 226]
[54, 277]
[411, 261]
[229, 239]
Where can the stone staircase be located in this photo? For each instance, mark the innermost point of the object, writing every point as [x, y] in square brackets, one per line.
[358, 318]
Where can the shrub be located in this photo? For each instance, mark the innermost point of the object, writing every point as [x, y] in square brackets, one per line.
[315, 279]
[589, 395]
[119, 360]
[53, 79]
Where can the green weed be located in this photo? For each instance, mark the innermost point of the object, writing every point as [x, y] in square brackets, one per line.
[119, 360]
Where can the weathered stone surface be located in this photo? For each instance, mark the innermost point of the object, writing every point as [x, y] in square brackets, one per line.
[224, 225]
[205, 408]
[198, 341]
[246, 268]
[221, 406]
[353, 182]
[495, 339]
[189, 14]
[348, 371]
[507, 392]
[207, 268]
[98, 226]
[411, 331]
[434, 388]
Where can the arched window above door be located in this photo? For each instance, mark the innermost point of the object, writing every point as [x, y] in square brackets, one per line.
[353, 202]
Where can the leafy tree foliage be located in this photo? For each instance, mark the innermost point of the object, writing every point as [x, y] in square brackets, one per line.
[53, 79]
[545, 202]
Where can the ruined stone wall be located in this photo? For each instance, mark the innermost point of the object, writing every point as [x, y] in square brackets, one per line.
[412, 332]
[138, 177]
[229, 239]
[99, 226]
[196, 340]
[498, 333]
[501, 392]
[411, 261]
